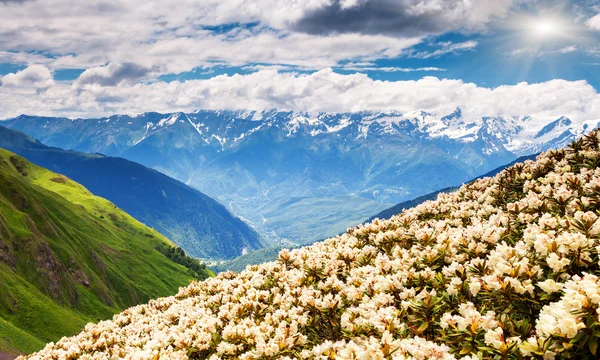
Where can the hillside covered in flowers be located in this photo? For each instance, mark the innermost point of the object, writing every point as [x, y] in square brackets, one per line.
[505, 267]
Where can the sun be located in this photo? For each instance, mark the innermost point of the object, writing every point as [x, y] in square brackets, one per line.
[546, 28]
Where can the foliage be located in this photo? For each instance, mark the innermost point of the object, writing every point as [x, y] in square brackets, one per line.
[176, 254]
[504, 268]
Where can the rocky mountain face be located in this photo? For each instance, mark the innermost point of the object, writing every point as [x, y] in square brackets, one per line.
[302, 176]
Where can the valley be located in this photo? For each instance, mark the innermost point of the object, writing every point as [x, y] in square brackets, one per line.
[300, 179]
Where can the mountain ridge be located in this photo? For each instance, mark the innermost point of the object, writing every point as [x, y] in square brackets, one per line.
[397, 209]
[452, 125]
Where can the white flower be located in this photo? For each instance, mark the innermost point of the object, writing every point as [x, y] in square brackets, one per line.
[373, 279]
[474, 286]
[549, 286]
[557, 263]
[495, 338]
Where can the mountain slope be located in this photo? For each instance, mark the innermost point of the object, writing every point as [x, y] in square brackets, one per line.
[504, 268]
[199, 224]
[273, 168]
[397, 209]
[68, 257]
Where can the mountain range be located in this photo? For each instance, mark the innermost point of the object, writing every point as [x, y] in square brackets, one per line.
[194, 221]
[299, 177]
[68, 257]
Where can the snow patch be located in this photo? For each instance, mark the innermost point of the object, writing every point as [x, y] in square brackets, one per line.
[168, 121]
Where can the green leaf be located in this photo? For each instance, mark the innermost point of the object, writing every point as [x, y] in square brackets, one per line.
[465, 350]
[593, 345]
[423, 327]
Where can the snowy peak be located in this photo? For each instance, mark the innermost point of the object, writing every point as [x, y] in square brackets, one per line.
[556, 126]
[263, 164]
[456, 116]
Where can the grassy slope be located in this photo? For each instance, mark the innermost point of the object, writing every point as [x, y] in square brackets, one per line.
[68, 257]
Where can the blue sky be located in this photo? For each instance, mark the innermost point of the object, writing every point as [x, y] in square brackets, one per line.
[63, 57]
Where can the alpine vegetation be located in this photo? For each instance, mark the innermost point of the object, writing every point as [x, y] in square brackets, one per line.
[506, 267]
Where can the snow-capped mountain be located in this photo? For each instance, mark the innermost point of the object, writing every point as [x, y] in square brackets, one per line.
[320, 172]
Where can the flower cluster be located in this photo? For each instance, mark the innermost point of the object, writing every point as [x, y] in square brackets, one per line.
[505, 267]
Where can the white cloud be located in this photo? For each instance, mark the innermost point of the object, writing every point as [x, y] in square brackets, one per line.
[567, 49]
[112, 74]
[175, 54]
[534, 51]
[20, 58]
[446, 48]
[37, 77]
[594, 23]
[324, 90]
[359, 67]
[523, 51]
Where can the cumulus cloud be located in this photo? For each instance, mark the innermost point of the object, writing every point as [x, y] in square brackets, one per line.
[400, 17]
[37, 77]
[113, 74]
[594, 23]
[324, 90]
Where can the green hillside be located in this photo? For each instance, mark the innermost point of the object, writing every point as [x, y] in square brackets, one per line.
[68, 257]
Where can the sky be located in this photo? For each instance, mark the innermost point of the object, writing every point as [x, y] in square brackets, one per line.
[490, 58]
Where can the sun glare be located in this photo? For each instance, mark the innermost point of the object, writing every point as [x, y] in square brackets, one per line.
[546, 28]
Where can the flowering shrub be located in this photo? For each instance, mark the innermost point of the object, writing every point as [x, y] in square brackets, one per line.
[506, 267]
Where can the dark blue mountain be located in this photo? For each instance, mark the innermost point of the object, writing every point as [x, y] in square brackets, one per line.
[196, 222]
